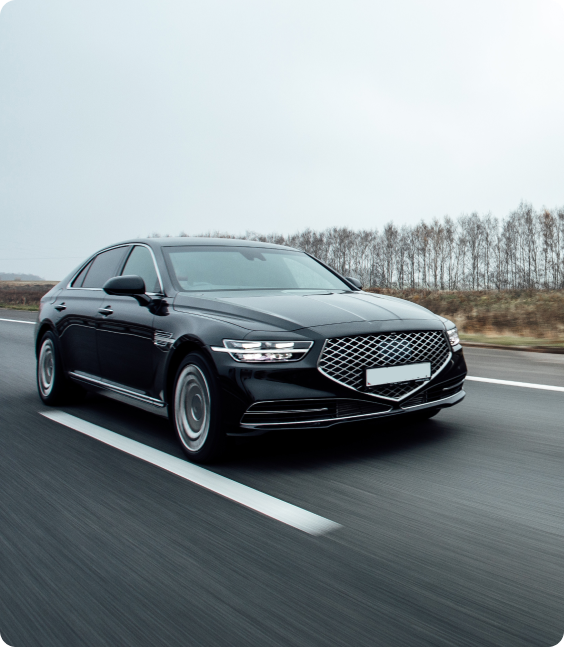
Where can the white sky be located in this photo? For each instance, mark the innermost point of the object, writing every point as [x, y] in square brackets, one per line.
[124, 117]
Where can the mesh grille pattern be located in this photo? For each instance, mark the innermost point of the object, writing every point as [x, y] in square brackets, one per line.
[346, 359]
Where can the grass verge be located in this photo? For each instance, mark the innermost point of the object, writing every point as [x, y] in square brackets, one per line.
[23, 295]
[11, 306]
[506, 317]
[511, 342]
[532, 318]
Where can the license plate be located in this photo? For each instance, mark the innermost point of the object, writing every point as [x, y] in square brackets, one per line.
[393, 374]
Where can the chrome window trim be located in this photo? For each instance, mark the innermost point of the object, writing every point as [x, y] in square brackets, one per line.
[91, 289]
[373, 395]
[69, 285]
[133, 245]
[92, 258]
[107, 249]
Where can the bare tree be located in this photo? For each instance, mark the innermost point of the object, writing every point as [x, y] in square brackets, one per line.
[522, 250]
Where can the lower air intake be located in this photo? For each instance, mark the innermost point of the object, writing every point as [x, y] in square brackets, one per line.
[308, 412]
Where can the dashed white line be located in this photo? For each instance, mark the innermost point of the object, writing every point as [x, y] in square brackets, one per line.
[32, 323]
[525, 385]
[267, 505]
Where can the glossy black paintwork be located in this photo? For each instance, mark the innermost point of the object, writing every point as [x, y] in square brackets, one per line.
[126, 350]
[76, 328]
[139, 348]
[283, 311]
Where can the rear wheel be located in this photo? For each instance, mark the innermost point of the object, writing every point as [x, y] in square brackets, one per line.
[196, 409]
[53, 386]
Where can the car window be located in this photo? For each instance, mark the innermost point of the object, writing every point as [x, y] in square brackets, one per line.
[204, 268]
[306, 274]
[105, 266]
[77, 283]
[140, 263]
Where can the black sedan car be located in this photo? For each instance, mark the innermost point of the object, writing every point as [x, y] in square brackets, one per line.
[234, 337]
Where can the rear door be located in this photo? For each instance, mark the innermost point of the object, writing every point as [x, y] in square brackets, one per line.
[79, 305]
[125, 335]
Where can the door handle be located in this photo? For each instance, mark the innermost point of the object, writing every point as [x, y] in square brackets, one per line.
[106, 311]
[61, 307]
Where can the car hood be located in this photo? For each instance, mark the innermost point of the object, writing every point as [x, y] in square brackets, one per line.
[283, 311]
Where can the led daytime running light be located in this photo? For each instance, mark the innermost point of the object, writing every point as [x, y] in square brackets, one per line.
[453, 337]
[266, 351]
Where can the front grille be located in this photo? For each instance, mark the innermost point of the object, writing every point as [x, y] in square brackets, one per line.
[345, 359]
[308, 412]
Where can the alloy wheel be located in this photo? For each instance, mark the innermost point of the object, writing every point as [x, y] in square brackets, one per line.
[192, 407]
[46, 368]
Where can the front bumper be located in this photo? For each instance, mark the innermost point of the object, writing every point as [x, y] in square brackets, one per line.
[323, 413]
[298, 396]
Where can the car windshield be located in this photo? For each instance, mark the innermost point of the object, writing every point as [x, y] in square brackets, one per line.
[207, 268]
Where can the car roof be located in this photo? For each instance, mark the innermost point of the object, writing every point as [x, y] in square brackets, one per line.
[182, 241]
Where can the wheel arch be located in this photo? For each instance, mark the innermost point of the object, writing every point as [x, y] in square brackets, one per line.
[182, 348]
[46, 326]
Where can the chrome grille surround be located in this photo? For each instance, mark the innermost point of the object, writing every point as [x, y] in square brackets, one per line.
[345, 359]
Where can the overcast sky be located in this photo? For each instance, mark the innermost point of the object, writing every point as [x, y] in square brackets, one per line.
[125, 117]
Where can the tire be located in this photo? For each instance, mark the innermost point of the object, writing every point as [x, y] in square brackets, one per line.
[196, 410]
[53, 385]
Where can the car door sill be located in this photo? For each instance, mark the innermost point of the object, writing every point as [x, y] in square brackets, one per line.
[120, 390]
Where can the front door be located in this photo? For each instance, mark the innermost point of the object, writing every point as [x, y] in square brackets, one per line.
[125, 343]
[126, 329]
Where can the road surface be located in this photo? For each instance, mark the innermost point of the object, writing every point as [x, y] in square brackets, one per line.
[444, 533]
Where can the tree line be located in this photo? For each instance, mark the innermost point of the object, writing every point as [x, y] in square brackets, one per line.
[524, 250]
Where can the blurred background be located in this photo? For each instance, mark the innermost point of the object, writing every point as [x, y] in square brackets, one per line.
[125, 118]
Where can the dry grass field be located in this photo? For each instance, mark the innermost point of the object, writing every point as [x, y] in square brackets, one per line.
[23, 295]
[507, 317]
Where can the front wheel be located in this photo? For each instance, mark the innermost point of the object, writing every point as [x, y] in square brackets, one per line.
[195, 412]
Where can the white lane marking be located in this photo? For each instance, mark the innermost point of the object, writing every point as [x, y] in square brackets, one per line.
[265, 504]
[32, 323]
[525, 385]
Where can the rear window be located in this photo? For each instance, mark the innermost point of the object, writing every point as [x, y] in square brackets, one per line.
[105, 266]
[77, 283]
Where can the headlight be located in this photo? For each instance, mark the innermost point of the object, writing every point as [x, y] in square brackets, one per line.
[453, 336]
[265, 351]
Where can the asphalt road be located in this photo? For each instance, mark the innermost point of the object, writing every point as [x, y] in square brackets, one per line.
[452, 531]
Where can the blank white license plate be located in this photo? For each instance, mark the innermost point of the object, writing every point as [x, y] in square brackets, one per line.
[392, 374]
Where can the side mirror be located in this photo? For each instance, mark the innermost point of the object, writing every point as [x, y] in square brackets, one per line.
[125, 286]
[355, 282]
